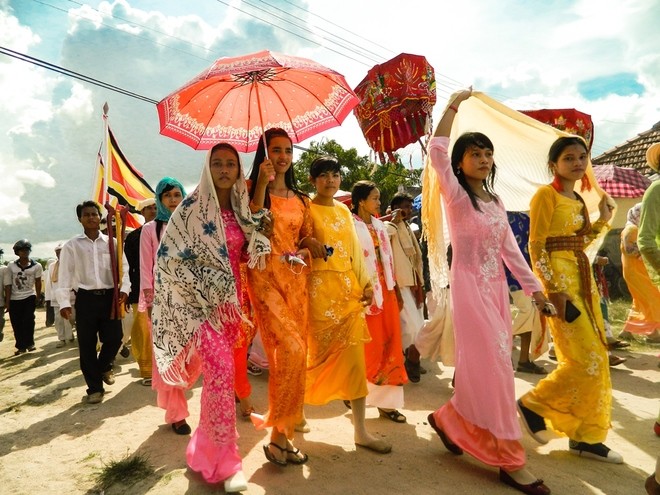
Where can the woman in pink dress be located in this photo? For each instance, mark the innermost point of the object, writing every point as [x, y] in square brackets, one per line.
[197, 307]
[481, 418]
[169, 193]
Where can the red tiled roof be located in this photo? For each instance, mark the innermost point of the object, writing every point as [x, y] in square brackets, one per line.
[632, 153]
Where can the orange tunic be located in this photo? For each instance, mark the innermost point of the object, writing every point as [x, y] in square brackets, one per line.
[384, 355]
[644, 315]
[279, 298]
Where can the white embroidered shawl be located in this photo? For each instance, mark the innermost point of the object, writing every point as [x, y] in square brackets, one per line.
[369, 251]
[194, 280]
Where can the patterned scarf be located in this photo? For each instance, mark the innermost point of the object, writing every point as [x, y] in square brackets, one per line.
[369, 250]
[194, 282]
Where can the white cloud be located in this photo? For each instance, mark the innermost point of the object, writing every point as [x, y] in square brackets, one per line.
[14, 204]
[78, 107]
[35, 177]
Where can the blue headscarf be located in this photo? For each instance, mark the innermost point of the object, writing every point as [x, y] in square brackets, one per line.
[162, 213]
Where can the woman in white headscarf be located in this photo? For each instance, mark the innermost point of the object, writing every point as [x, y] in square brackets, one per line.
[644, 315]
[197, 305]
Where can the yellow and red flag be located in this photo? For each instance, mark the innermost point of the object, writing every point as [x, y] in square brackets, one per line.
[126, 184]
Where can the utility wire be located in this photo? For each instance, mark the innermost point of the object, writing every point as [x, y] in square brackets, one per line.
[70, 73]
[344, 40]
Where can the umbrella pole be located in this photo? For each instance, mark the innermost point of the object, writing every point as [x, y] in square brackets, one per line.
[261, 122]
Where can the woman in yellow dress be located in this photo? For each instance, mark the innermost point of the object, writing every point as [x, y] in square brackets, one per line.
[576, 398]
[644, 315]
[339, 290]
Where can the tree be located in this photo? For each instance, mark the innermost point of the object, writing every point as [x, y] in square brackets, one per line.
[388, 177]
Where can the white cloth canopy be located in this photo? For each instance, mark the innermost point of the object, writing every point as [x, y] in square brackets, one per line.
[521, 155]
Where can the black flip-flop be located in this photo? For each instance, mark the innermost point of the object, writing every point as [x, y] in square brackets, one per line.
[296, 459]
[393, 415]
[271, 457]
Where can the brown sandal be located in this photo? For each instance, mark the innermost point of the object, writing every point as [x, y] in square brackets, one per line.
[247, 412]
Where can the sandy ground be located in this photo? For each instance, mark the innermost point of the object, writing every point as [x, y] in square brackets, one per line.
[51, 442]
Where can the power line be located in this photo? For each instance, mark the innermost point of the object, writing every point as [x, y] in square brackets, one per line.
[291, 32]
[321, 29]
[338, 26]
[70, 73]
[129, 33]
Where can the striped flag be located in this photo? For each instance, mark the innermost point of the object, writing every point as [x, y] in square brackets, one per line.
[126, 184]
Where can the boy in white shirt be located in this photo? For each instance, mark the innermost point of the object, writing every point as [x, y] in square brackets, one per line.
[22, 282]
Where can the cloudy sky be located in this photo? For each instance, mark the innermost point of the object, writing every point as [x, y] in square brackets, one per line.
[598, 56]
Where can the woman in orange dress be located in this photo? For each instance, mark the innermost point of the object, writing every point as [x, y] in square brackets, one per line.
[644, 315]
[279, 293]
[386, 372]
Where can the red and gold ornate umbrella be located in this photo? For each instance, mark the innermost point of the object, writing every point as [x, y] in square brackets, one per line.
[566, 119]
[238, 98]
[396, 101]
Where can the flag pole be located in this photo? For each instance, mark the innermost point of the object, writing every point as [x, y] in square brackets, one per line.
[106, 167]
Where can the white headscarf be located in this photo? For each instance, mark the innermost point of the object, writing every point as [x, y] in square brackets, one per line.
[634, 214]
[194, 281]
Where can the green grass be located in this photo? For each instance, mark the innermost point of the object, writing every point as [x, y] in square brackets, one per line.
[618, 312]
[126, 471]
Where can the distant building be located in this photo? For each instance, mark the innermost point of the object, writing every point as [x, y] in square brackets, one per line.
[632, 153]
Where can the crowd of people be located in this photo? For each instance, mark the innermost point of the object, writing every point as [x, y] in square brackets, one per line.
[336, 296]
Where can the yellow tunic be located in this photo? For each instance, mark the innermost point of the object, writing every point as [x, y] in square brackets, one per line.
[576, 398]
[337, 332]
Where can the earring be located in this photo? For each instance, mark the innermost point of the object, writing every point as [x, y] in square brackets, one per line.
[459, 171]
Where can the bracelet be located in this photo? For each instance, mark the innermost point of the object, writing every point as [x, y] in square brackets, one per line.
[454, 108]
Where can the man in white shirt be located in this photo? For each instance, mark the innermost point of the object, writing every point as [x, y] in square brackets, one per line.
[63, 327]
[22, 283]
[85, 268]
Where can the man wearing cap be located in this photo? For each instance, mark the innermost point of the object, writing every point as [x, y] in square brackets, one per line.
[137, 321]
[85, 267]
[63, 327]
[22, 283]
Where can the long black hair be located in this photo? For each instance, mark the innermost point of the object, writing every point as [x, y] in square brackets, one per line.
[260, 156]
[461, 146]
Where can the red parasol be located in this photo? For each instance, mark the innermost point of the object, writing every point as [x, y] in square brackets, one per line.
[620, 182]
[566, 119]
[396, 101]
[238, 98]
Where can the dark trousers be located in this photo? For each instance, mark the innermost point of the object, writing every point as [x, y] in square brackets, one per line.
[50, 314]
[21, 315]
[92, 322]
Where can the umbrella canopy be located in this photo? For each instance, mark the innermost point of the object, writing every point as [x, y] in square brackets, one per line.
[238, 98]
[620, 182]
[567, 120]
[396, 101]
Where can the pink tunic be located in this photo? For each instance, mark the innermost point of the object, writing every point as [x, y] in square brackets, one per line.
[481, 416]
[212, 450]
[148, 249]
